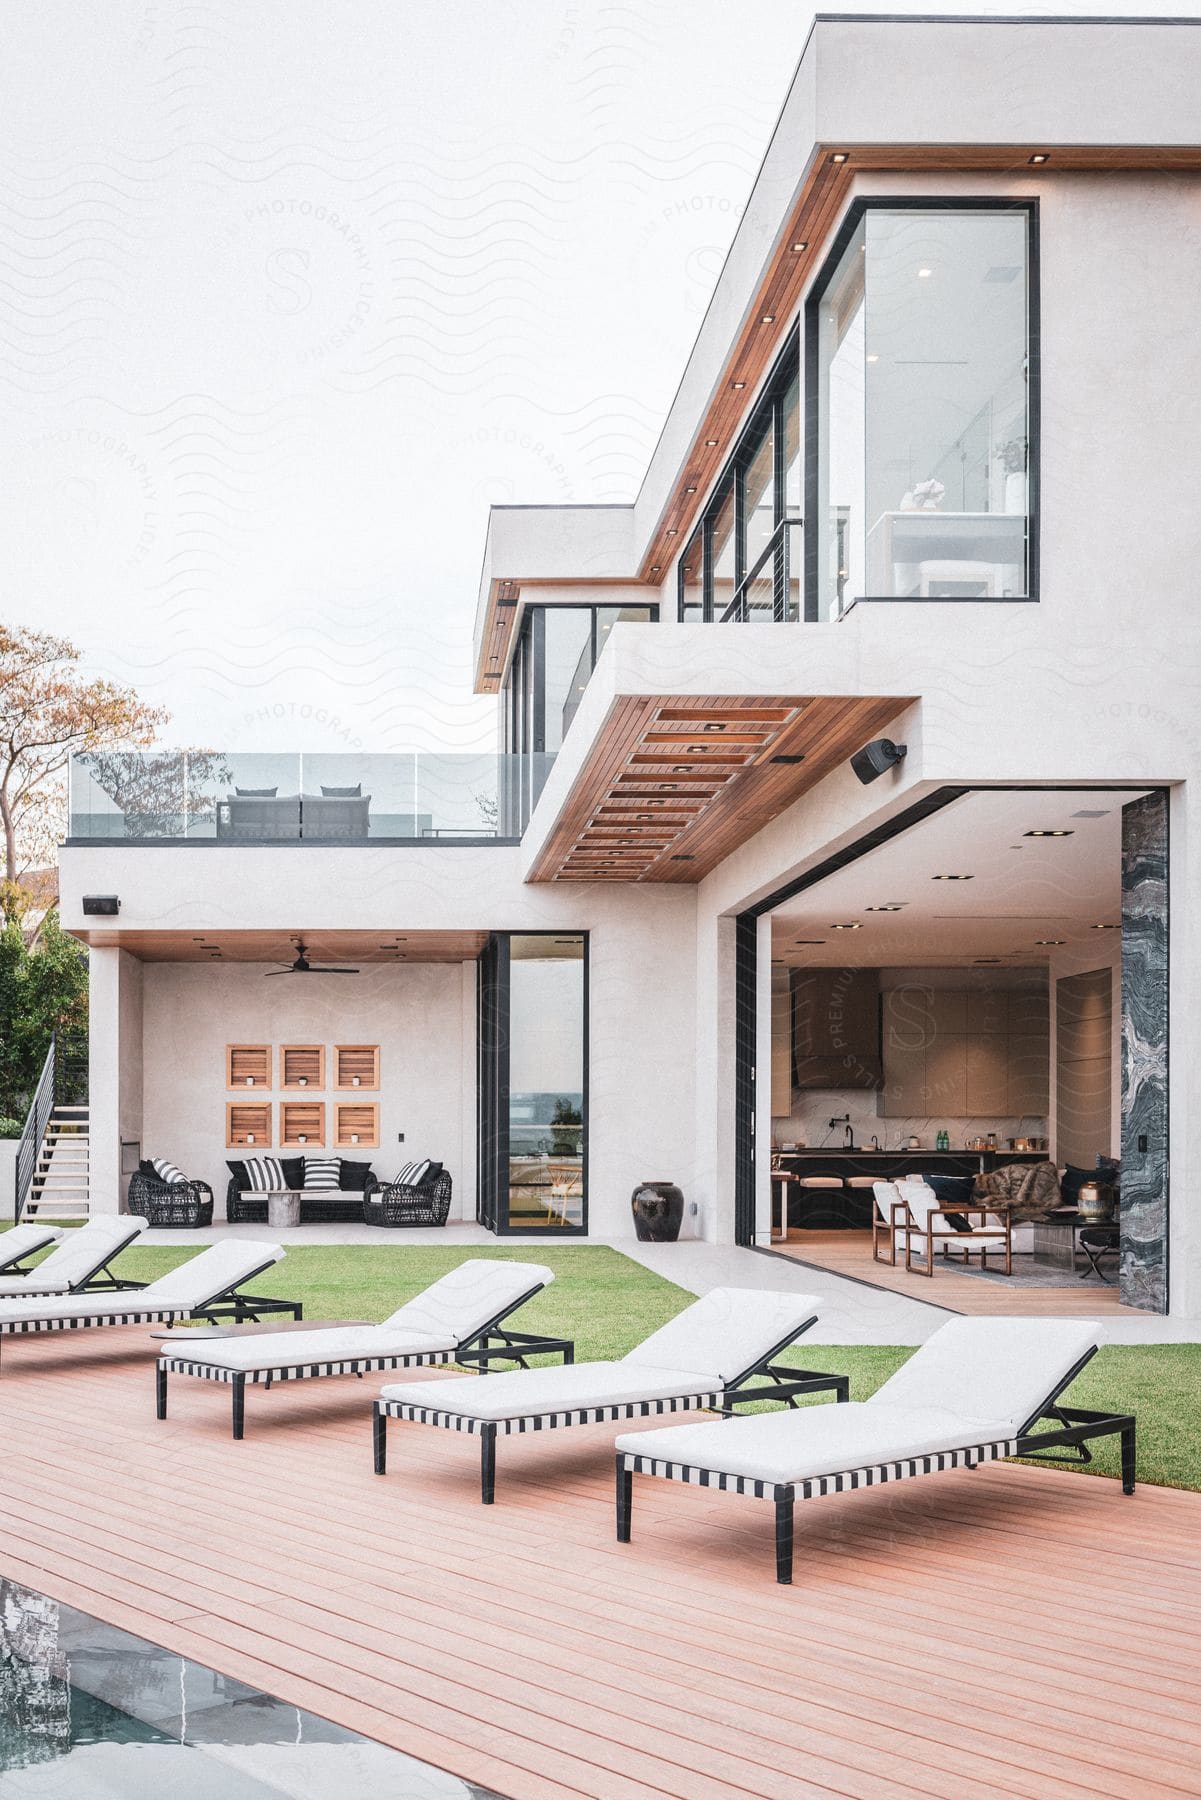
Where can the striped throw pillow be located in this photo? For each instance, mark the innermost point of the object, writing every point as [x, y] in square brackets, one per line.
[322, 1173]
[264, 1175]
[166, 1171]
[411, 1174]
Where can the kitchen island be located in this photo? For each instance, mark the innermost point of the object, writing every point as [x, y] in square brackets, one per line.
[850, 1208]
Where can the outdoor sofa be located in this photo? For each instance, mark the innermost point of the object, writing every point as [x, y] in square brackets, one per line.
[81, 1262]
[458, 1318]
[321, 1198]
[717, 1353]
[975, 1392]
[209, 1286]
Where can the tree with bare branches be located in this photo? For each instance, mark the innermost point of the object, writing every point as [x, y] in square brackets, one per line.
[49, 712]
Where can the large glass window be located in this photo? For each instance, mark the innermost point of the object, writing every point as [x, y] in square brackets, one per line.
[920, 347]
[759, 490]
[533, 1100]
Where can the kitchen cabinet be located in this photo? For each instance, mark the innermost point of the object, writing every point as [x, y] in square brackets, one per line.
[964, 1052]
[836, 1028]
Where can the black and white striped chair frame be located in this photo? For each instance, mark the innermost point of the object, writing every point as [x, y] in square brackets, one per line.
[1073, 1427]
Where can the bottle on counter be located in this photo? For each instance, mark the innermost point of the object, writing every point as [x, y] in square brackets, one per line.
[942, 1141]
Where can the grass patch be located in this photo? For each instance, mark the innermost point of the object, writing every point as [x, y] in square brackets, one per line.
[608, 1303]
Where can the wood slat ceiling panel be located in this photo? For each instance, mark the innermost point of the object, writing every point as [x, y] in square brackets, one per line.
[676, 822]
[340, 947]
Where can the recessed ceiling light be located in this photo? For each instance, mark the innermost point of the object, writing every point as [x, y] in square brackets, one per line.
[803, 244]
[737, 385]
[1048, 834]
[840, 156]
[711, 443]
[1105, 928]
[768, 319]
[672, 530]
[893, 906]
[924, 274]
[855, 925]
[953, 877]
[654, 568]
[713, 725]
[1041, 156]
[1049, 943]
[690, 490]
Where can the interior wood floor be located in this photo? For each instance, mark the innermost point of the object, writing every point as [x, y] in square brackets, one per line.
[1004, 1631]
[850, 1253]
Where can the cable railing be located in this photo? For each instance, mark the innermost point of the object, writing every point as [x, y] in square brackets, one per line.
[770, 592]
[34, 1133]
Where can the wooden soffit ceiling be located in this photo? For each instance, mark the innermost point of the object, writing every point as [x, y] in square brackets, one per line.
[345, 948]
[671, 785]
[801, 247]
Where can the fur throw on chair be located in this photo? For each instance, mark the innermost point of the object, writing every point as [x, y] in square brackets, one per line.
[1029, 1189]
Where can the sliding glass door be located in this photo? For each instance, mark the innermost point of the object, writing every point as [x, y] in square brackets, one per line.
[533, 1083]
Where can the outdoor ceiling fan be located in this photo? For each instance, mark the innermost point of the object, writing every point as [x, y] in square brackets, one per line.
[302, 966]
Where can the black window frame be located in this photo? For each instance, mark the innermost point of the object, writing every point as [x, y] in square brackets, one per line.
[811, 433]
[769, 404]
[493, 977]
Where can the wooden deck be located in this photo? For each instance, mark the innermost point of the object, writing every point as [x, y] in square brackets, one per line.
[850, 1253]
[1008, 1631]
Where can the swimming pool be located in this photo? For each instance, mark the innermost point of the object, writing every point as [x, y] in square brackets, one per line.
[88, 1712]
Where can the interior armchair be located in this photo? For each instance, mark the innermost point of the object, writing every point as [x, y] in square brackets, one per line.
[968, 1226]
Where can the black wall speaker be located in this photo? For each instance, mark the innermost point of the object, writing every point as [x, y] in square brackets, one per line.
[875, 757]
[104, 904]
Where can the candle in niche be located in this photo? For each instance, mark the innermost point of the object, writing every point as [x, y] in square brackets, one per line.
[354, 1081]
[302, 1081]
[354, 1137]
[302, 1137]
[250, 1137]
[250, 1081]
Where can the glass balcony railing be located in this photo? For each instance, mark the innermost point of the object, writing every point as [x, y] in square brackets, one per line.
[226, 797]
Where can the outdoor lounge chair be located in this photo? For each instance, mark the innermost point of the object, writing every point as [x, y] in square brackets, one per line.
[705, 1357]
[22, 1242]
[974, 1392]
[80, 1264]
[208, 1286]
[458, 1318]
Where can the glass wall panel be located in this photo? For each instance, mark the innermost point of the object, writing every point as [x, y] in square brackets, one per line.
[568, 666]
[692, 579]
[759, 495]
[546, 1082]
[922, 339]
[723, 552]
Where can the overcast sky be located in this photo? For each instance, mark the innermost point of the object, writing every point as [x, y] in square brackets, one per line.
[291, 291]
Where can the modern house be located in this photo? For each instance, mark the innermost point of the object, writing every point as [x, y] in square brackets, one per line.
[930, 477]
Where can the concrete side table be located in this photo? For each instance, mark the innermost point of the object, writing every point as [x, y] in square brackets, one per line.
[283, 1207]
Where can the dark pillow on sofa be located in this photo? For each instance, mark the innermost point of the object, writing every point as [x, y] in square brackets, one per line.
[950, 1188]
[354, 1176]
[238, 1171]
[346, 793]
[1072, 1182]
[147, 1168]
[431, 1175]
[256, 793]
[293, 1168]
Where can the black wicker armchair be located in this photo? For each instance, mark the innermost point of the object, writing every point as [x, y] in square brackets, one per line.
[188, 1204]
[395, 1203]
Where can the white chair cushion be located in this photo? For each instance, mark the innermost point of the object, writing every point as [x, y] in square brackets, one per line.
[203, 1277]
[461, 1302]
[23, 1240]
[530, 1393]
[86, 1306]
[83, 1253]
[295, 1349]
[999, 1369]
[821, 1440]
[16, 1285]
[725, 1333]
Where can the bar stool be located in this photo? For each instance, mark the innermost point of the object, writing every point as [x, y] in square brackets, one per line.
[829, 1184]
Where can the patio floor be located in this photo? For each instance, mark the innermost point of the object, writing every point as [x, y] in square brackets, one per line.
[1007, 1631]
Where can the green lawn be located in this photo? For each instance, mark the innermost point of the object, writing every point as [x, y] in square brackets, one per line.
[608, 1303]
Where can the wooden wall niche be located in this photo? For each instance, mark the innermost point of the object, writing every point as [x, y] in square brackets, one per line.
[302, 1065]
[247, 1125]
[248, 1065]
[356, 1126]
[301, 1124]
[356, 1065]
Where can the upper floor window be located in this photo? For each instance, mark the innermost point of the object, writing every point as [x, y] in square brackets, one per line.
[921, 408]
[737, 560]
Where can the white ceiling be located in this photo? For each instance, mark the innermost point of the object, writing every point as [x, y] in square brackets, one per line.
[1022, 888]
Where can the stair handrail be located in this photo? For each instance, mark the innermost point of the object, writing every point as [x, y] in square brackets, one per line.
[34, 1133]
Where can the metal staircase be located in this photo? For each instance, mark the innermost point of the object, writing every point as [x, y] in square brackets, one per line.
[53, 1155]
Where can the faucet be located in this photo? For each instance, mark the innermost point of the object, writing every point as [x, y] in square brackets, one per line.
[875, 1142]
[849, 1141]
